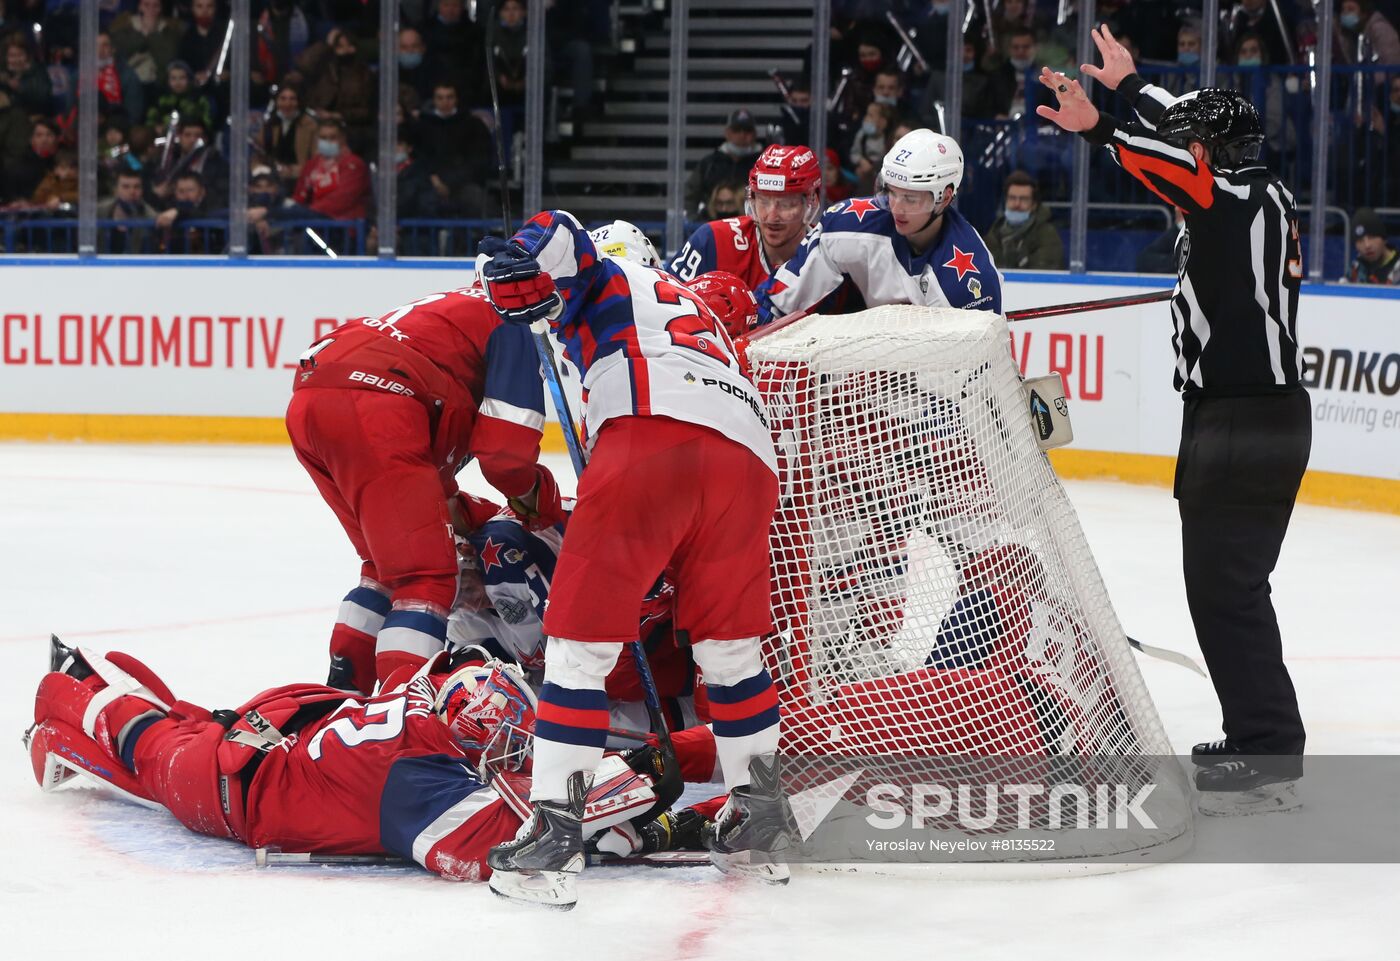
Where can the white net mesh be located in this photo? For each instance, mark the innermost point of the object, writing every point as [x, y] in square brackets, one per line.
[932, 588]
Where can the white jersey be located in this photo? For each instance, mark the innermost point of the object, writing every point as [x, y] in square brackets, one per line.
[856, 240]
[643, 343]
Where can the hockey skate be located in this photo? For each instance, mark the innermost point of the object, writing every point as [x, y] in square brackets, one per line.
[755, 824]
[1237, 789]
[1208, 753]
[540, 865]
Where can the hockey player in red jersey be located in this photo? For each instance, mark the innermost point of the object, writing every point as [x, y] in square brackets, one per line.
[682, 476]
[781, 202]
[433, 769]
[384, 412]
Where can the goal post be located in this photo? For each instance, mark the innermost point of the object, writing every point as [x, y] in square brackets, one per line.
[934, 595]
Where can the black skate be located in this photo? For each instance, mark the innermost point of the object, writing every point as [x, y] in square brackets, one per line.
[1237, 788]
[754, 825]
[67, 660]
[1213, 752]
[540, 865]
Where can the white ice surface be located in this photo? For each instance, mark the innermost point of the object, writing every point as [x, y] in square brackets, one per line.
[222, 569]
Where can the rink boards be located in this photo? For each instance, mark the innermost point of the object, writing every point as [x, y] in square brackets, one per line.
[131, 350]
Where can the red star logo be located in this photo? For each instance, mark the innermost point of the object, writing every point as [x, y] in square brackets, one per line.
[860, 208]
[962, 263]
[490, 555]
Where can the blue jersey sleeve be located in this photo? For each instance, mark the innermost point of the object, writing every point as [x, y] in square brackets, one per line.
[514, 390]
[697, 256]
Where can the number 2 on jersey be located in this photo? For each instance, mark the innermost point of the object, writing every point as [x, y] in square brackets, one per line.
[699, 332]
[389, 726]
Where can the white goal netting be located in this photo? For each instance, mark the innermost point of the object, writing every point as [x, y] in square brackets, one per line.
[933, 591]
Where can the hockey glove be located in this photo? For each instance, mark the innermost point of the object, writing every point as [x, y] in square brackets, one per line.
[542, 507]
[515, 285]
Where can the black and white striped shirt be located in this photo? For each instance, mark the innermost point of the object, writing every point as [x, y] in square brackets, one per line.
[1239, 264]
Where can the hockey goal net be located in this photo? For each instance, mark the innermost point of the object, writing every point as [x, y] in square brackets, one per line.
[933, 592]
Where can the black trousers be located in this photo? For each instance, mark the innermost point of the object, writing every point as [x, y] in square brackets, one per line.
[1237, 476]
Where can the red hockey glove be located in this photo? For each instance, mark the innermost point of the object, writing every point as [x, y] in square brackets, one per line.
[515, 285]
[542, 507]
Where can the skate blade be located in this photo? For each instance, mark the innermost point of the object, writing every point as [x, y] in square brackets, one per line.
[1271, 799]
[545, 889]
[742, 864]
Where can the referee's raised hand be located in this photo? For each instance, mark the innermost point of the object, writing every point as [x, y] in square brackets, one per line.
[1117, 61]
[1076, 113]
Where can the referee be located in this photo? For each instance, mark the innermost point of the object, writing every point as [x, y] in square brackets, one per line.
[1246, 428]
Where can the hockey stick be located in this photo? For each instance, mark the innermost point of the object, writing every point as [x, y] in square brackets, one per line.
[1108, 303]
[268, 858]
[1168, 655]
[1028, 313]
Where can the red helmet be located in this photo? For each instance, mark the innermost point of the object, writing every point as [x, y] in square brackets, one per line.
[787, 170]
[729, 298]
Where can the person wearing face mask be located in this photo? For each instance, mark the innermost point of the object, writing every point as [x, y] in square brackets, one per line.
[415, 196]
[1021, 65]
[178, 234]
[340, 87]
[1257, 17]
[1023, 238]
[127, 203]
[889, 88]
[870, 143]
[1357, 22]
[1265, 89]
[731, 160]
[414, 71]
[335, 182]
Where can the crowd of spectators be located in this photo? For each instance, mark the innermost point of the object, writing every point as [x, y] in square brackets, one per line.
[164, 99]
[890, 80]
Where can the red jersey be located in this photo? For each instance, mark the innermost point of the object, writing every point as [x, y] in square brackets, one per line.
[478, 377]
[338, 189]
[731, 245]
[382, 774]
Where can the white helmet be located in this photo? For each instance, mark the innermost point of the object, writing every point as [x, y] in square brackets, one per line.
[923, 160]
[625, 242]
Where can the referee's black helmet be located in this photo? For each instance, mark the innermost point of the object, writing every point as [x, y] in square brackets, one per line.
[1224, 120]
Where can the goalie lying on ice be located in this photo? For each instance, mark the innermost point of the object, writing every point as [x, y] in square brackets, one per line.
[434, 769]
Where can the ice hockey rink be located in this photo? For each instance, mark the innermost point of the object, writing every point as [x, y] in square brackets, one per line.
[221, 567]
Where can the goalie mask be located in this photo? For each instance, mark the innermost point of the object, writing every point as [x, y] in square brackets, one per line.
[922, 161]
[490, 710]
[624, 241]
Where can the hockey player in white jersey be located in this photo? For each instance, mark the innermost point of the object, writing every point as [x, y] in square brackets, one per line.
[682, 477]
[905, 245]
